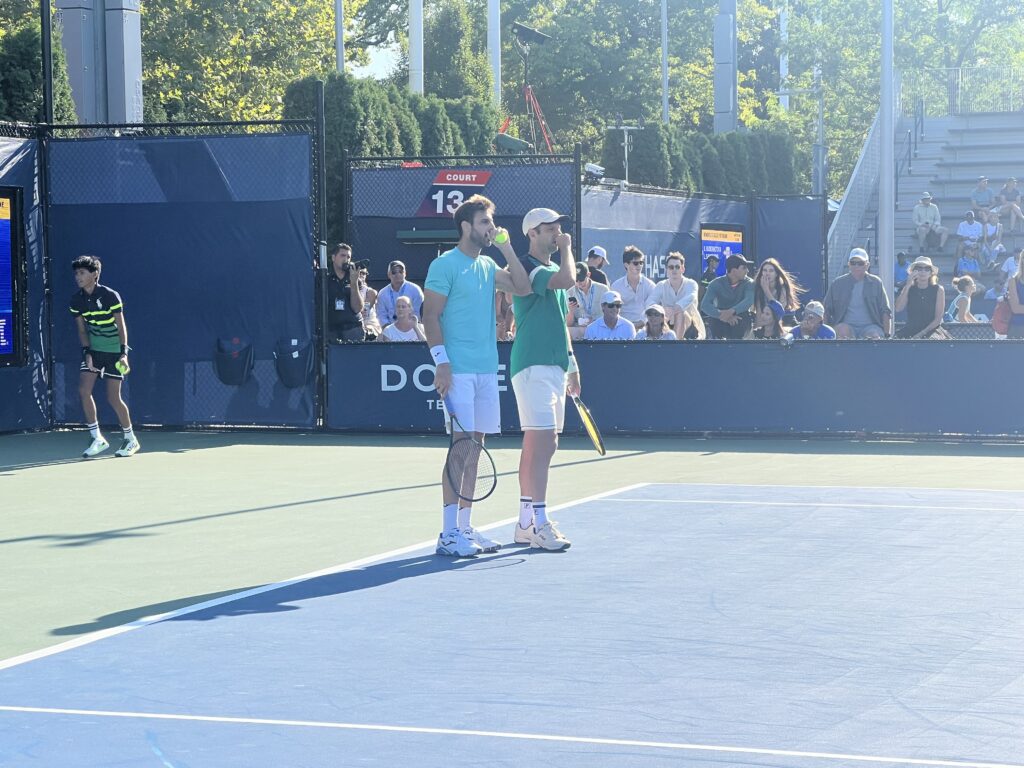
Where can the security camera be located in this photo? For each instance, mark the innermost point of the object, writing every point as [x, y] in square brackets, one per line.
[594, 170]
[527, 35]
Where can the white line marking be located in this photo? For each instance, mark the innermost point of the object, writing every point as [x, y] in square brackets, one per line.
[846, 487]
[852, 504]
[512, 735]
[102, 634]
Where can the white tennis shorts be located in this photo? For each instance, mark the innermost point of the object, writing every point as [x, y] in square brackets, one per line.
[540, 397]
[474, 398]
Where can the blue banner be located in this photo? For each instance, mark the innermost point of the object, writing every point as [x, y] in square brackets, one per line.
[389, 388]
[7, 329]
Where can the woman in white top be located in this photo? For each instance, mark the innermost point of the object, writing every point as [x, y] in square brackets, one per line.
[655, 328]
[960, 308]
[405, 327]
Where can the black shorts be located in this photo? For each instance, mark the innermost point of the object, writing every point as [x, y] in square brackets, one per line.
[105, 363]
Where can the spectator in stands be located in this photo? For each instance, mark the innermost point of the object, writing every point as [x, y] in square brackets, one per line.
[728, 301]
[1015, 295]
[992, 248]
[1009, 203]
[999, 289]
[676, 294]
[773, 283]
[597, 257]
[900, 274]
[399, 286]
[982, 198]
[928, 224]
[344, 301]
[812, 326]
[406, 326]
[655, 329]
[370, 323]
[584, 301]
[1011, 265]
[960, 308]
[970, 264]
[768, 321]
[856, 304]
[969, 232]
[924, 300]
[635, 287]
[610, 326]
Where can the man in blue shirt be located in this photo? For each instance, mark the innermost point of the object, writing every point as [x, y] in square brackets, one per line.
[459, 322]
[813, 325]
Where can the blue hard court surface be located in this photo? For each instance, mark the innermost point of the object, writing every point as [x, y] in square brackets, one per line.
[696, 625]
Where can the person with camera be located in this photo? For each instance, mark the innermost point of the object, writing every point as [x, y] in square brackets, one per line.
[344, 301]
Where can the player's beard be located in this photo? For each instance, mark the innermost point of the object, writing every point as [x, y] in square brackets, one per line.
[478, 240]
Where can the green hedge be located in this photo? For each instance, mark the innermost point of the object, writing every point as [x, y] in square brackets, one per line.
[368, 117]
[21, 77]
[759, 162]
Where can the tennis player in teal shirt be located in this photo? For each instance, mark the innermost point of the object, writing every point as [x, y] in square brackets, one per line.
[543, 369]
[459, 322]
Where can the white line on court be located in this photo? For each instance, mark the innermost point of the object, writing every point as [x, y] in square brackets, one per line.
[512, 735]
[102, 634]
[845, 487]
[852, 504]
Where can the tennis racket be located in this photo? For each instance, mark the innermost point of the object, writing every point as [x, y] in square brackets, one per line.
[590, 425]
[468, 467]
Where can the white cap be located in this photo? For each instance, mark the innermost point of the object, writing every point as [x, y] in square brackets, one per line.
[657, 308]
[539, 216]
[815, 308]
[597, 251]
[859, 253]
[611, 297]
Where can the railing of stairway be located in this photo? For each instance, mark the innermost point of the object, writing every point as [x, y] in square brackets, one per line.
[964, 90]
[908, 147]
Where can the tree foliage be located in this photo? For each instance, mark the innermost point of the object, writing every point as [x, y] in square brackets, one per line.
[21, 73]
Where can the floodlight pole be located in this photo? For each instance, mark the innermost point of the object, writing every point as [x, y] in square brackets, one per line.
[46, 28]
[494, 45]
[664, 61]
[339, 35]
[626, 130]
[416, 46]
[886, 173]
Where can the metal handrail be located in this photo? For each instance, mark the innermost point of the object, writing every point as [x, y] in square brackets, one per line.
[966, 90]
[908, 148]
[860, 191]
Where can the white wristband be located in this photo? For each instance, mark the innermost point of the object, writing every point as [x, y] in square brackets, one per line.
[573, 366]
[439, 354]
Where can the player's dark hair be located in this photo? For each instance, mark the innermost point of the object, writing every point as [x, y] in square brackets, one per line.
[630, 253]
[90, 263]
[340, 247]
[469, 209]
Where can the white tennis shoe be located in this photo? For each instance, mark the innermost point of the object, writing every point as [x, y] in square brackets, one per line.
[524, 535]
[485, 544]
[98, 446]
[455, 544]
[550, 538]
[128, 448]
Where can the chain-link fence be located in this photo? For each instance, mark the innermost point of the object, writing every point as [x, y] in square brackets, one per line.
[18, 130]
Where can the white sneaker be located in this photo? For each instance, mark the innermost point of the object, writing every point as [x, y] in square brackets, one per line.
[455, 544]
[98, 446]
[524, 535]
[485, 544]
[550, 538]
[128, 448]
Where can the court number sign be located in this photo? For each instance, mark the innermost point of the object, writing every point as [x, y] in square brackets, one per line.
[450, 189]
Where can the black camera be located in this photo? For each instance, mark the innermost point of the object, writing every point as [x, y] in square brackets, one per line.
[357, 265]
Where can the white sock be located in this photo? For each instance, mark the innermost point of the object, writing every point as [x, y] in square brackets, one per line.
[129, 433]
[94, 430]
[463, 517]
[525, 512]
[450, 518]
[540, 511]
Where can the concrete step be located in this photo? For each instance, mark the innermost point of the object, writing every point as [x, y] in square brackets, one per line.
[988, 152]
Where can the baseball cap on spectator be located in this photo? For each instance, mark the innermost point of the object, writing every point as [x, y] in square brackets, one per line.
[737, 260]
[611, 297]
[859, 255]
[655, 309]
[713, 257]
[538, 216]
[815, 308]
[395, 263]
[968, 213]
[597, 252]
[983, 178]
[926, 196]
[582, 270]
[776, 307]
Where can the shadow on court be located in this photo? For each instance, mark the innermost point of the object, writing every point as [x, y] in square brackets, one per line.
[287, 598]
